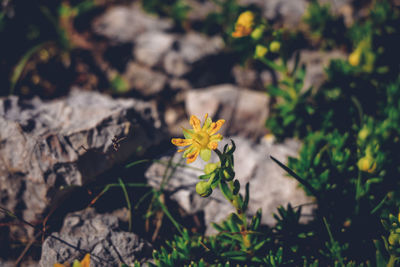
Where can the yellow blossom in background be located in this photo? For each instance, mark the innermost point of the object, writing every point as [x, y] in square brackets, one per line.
[355, 58]
[367, 164]
[275, 46]
[244, 25]
[84, 263]
[199, 140]
[261, 51]
[258, 32]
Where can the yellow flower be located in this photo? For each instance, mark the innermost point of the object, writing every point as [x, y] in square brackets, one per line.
[355, 58]
[199, 140]
[244, 25]
[84, 263]
[367, 164]
[261, 51]
[275, 46]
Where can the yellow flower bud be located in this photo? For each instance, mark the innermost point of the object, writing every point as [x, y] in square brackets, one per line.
[275, 46]
[367, 164]
[355, 58]
[203, 189]
[394, 239]
[258, 32]
[363, 134]
[210, 167]
[260, 52]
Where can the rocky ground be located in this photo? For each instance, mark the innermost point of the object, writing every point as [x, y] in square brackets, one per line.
[51, 148]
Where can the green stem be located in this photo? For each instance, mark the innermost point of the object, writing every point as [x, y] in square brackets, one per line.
[392, 261]
[239, 210]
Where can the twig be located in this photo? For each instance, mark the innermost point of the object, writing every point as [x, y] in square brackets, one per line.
[27, 247]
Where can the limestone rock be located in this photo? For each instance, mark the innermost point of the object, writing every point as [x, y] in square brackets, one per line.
[188, 50]
[316, 62]
[144, 80]
[97, 234]
[48, 146]
[124, 23]
[151, 46]
[245, 110]
[269, 185]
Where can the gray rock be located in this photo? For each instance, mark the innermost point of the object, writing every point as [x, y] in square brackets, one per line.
[199, 10]
[144, 80]
[48, 146]
[124, 23]
[269, 185]
[316, 62]
[151, 46]
[288, 11]
[245, 110]
[97, 234]
[190, 49]
[245, 77]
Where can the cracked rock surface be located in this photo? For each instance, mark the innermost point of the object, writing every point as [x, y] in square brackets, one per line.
[46, 146]
[97, 234]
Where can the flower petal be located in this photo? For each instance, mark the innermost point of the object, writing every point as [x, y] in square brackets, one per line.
[189, 150]
[215, 126]
[187, 133]
[205, 154]
[192, 156]
[212, 145]
[86, 261]
[216, 137]
[207, 123]
[195, 122]
[181, 142]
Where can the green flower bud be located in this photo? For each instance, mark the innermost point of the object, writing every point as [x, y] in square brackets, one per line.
[260, 52]
[275, 46]
[258, 32]
[367, 164]
[210, 167]
[363, 134]
[394, 239]
[203, 188]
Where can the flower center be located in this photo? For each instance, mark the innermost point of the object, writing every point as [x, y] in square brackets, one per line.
[202, 138]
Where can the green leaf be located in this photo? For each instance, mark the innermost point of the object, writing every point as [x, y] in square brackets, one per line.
[236, 219]
[225, 190]
[298, 178]
[204, 176]
[259, 245]
[21, 65]
[255, 222]
[234, 254]
[236, 187]
[246, 198]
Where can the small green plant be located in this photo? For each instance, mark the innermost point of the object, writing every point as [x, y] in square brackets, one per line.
[326, 28]
[388, 254]
[175, 9]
